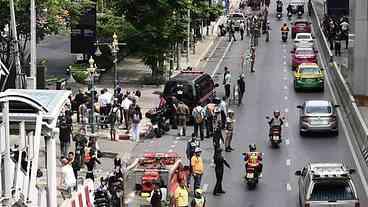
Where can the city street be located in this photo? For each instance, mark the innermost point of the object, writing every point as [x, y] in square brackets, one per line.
[269, 88]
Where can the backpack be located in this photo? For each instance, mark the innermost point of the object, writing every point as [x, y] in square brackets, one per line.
[199, 117]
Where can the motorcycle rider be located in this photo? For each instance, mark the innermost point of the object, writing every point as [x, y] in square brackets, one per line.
[289, 9]
[253, 159]
[285, 29]
[279, 6]
[275, 121]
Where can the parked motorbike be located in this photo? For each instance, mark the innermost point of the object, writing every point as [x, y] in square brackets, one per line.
[159, 121]
[284, 36]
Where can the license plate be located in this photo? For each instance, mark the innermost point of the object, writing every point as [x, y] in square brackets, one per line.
[180, 92]
[250, 175]
[276, 137]
[155, 126]
[319, 122]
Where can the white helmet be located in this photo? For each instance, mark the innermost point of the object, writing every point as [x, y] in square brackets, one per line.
[197, 150]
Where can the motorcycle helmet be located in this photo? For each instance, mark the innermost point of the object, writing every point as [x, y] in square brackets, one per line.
[197, 150]
[285, 24]
[198, 193]
[252, 147]
[276, 113]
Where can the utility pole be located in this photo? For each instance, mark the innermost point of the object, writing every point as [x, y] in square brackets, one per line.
[19, 82]
[188, 38]
[33, 72]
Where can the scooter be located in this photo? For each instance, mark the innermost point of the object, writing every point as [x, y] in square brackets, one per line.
[279, 15]
[284, 36]
[251, 176]
[289, 15]
[275, 137]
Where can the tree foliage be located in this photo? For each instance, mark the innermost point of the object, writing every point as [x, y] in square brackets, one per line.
[53, 16]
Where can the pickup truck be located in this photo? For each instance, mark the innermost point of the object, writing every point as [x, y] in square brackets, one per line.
[326, 185]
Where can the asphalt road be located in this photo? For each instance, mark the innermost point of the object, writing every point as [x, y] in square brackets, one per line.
[268, 89]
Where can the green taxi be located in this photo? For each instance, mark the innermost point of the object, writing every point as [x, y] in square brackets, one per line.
[309, 76]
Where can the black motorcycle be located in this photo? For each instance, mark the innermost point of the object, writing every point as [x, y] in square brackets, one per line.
[159, 121]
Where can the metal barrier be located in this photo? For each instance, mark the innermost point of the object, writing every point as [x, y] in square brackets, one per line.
[341, 89]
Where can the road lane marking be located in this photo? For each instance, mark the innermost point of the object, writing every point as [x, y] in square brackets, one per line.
[222, 59]
[285, 70]
[286, 110]
[170, 150]
[288, 162]
[175, 142]
[284, 56]
[288, 187]
[287, 141]
[286, 98]
[172, 146]
[284, 62]
[286, 124]
[177, 138]
[348, 137]
[285, 78]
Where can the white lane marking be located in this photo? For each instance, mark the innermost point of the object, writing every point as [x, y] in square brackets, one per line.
[288, 162]
[285, 87]
[285, 78]
[286, 124]
[284, 56]
[286, 98]
[352, 150]
[285, 70]
[175, 142]
[286, 110]
[287, 141]
[284, 50]
[170, 150]
[214, 49]
[222, 59]
[172, 146]
[177, 138]
[288, 187]
[284, 62]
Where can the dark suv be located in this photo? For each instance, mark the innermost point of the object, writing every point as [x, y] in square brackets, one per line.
[191, 87]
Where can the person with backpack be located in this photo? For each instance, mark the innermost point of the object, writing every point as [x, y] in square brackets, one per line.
[136, 117]
[198, 115]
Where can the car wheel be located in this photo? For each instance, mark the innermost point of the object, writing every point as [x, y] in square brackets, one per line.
[336, 133]
[301, 133]
[295, 88]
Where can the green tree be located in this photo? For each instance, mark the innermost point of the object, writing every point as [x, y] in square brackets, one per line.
[53, 16]
[159, 24]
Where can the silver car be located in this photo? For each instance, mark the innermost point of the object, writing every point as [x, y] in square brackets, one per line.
[326, 185]
[318, 116]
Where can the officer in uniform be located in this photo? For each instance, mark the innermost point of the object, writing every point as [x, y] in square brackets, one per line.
[229, 130]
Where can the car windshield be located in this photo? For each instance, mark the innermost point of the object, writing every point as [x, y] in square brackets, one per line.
[304, 52]
[318, 109]
[301, 24]
[310, 70]
[332, 191]
[304, 37]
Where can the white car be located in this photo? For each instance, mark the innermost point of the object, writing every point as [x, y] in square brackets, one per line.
[304, 40]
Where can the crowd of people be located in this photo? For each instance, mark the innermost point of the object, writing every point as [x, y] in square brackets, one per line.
[336, 30]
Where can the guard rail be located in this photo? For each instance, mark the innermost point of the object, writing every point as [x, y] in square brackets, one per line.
[341, 89]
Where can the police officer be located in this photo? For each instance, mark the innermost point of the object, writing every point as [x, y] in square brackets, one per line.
[219, 170]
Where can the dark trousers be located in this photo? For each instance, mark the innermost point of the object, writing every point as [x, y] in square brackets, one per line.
[209, 126]
[199, 127]
[241, 94]
[174, 121]
[126, 118]
[232, 35]
[121, 111]
[197, 181]
[223, 119]
[219, 176]
[242, 34]
[330, 40]
[227, 90]
[337, 48]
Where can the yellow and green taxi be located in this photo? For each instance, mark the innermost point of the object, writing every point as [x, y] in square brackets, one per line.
[309, 76]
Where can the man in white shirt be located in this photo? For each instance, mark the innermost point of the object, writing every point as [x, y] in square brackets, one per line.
[227, 82]
[125, 104]
[68, 177]
[103, 101]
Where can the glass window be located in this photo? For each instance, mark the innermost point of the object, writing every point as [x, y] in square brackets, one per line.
[304, 52]
[318, 109]
[313, 70]
[204, 86]
[332, 191]
[172, 88]
[304, 37]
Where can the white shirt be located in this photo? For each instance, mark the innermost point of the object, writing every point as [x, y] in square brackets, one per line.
[109, 97]
[68, 174]
[126, 103]
[228, 79]
[242, 26]
[103, 100]
[223, 106]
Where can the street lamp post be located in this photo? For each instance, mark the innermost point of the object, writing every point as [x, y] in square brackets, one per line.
[114, 47]
[92, 70]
